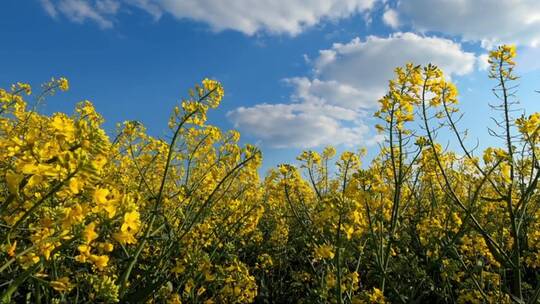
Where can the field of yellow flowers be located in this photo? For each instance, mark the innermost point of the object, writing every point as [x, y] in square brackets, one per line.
[88, 218]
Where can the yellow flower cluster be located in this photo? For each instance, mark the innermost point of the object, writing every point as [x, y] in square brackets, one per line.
[96, 218]
[529, 126]
[501, 62]
[187, 219]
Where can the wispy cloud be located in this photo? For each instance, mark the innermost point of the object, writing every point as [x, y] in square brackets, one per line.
[101, 12]
[49, 8]
[289, 17]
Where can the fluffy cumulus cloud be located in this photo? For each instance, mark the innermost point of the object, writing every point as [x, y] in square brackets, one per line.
[488, 21]
[273, 16]
[333, 105]
[329, 92]
[301, 125]
[367, 65]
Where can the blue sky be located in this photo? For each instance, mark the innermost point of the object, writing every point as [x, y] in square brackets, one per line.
[297, 74]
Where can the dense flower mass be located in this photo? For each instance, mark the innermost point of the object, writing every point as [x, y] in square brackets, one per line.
[131, 218]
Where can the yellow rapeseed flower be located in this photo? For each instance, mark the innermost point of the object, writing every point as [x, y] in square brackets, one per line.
[62, 284]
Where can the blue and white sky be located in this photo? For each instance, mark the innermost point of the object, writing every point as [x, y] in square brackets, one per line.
[297, 74]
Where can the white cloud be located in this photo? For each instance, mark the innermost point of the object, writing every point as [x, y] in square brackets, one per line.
[332, 106]
[275, 16]
[300, 125]
[489, 21]
[79, 11]
[330, 92]
[150, 6]
[482, 61]
[367, 65]
[49, 8]
[247, 16]
[391, 18]
[108, 6]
